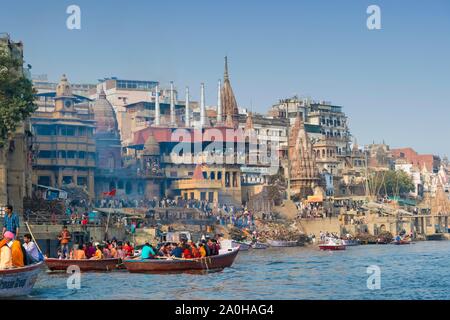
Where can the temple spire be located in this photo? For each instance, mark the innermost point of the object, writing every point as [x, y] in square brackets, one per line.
[202, 106]
[172, 105]
[225, 74]
[219, 103]
[187, 115]
[157, 108]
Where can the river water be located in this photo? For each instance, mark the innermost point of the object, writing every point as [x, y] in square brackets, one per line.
[416, 271]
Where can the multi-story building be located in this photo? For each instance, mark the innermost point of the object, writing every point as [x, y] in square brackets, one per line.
[15, 154]
[64, 143]
[430, 161]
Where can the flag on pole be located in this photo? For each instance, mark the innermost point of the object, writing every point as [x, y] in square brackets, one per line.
[111, 193]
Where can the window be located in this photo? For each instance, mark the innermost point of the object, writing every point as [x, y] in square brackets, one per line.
[45, 130]
[67, 131]
[81, 181]
[212, 176]
[44, 180]
[62, 154]
[81, 155]
[46, 154]
[219, 175]
[203, 196]
[71, 154]
[67, 179]
[211, 196]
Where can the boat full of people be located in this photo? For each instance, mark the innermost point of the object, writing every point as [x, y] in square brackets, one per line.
[92, 257]
[20, 265]
[400, 240]
[182, 257]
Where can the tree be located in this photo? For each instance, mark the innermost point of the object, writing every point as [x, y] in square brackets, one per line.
[16, 94]
[391, 183]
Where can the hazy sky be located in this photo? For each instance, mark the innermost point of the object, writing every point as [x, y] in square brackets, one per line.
[393, 83]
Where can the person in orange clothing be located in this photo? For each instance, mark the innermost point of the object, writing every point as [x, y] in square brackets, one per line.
[17, 257]
[98, 253]
[195, 252]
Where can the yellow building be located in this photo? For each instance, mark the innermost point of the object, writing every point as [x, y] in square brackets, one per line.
[199, 187]
[64, 141]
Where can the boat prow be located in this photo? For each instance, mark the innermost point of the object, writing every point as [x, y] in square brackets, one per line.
[211, 263]
[17, 282]
[54, 264]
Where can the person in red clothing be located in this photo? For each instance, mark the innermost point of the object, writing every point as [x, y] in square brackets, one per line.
[129, 251]
[187, 254]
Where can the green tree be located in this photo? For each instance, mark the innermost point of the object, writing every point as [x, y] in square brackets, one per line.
[16, 94]
[390, 183]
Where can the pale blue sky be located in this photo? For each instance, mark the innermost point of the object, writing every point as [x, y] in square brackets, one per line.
[394, 83]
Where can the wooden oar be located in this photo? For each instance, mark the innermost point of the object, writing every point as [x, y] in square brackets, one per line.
[32, 236]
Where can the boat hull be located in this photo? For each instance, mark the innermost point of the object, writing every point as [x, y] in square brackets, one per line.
[278, 243]
[243, 246]
[212, 263]
[401, 242]
[54, 264]
[18, 282]
[350, 243]
[332, 247]
[259, 245]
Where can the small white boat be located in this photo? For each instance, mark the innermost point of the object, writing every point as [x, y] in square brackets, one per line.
[243, 246]
[259, 245]
[226, 244]
[332, 244]
[17, 282]
[282, 243]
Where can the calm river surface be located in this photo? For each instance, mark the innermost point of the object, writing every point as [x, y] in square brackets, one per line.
[417, 271]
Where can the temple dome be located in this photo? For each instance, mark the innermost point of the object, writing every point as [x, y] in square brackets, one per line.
[104, 114]
[151, 146]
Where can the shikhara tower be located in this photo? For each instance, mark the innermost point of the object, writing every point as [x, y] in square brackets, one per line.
[304, 174]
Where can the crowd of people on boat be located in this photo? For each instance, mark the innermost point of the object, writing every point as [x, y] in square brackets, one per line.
[186, 249]
[96, 251]
[14, 253]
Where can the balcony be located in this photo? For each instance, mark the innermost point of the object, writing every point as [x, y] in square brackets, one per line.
[64, 162]
[196, 184]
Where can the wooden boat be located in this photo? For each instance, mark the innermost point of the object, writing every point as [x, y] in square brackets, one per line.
[332, 246]
[212, 263]
[55, 264]
[16, 282]
[282, 243]
[402, 241]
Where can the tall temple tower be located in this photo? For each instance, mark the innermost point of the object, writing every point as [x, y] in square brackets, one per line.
[229, 107]
[304, 173]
